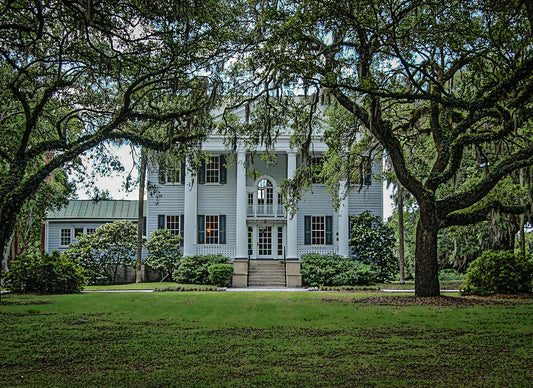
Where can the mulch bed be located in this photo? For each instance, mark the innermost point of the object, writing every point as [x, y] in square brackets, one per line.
[458, 301]
[402, 300]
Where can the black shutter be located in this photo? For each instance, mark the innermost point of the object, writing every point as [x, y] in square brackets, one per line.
[201, 229]
[182, 173]
[161, 221]
[162, 175]
[222, 229]
[307, 230]
[201, 173]
[182, 221]
[223, 169]
[144, 226]
[329, 230]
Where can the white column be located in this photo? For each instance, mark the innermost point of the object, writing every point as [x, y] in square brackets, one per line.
[344, 235]
[242, 202]
[292, 221]
[190, 213]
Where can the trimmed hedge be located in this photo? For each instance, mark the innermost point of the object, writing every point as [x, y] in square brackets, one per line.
[220, 274]
[501, 272]
[195, 269]
[333, 270]
[46, 274]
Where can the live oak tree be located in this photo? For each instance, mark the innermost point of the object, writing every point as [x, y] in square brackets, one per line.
[75, 74]
[455, 75]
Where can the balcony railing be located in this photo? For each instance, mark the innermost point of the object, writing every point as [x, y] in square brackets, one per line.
[263, 210]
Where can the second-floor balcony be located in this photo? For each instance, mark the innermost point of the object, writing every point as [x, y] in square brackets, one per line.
[265, 210]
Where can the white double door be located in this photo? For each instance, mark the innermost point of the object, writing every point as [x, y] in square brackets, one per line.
[266, 241]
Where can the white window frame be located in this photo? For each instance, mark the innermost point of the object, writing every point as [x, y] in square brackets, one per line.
[63, 236]
[212, 221]
[212, 170]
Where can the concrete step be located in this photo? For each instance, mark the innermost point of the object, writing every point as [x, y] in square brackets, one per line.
[266, 273]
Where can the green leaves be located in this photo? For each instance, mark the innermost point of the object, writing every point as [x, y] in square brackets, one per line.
[164, 251]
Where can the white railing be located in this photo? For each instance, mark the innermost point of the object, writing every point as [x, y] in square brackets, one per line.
[266, 211]
[214, 249]
[320, 249]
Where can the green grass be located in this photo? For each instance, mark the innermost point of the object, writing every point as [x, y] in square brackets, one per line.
[199, 339]
[143, 286]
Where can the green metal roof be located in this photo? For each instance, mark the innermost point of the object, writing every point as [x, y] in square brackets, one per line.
[105, 209]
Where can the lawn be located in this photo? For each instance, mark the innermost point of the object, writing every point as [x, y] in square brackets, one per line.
[263, 339]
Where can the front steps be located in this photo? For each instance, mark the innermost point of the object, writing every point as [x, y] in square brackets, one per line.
[266, 273]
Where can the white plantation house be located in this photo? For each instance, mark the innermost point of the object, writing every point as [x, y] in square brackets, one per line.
[232, 206]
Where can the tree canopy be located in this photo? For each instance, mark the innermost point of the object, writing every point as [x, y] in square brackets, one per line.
[452, 78]
[75, 74]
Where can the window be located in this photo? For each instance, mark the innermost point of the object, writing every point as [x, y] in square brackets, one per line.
[211, 229]
[171, 171]
[77, 232]
[250, 241]
[280, 241]
[91, 230]
[173, 225]
[174, 173]
[316, 164]
[318, 230]
[265, 197]
[65, 237]
[212, 170]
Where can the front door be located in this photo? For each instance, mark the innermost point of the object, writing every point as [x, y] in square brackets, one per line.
[264, 242]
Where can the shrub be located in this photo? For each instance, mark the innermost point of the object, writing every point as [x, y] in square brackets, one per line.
[195, 269]
[333, 270]
[499, 272]
[220, 274]
[46, 274]
[372, 243]
[163, 251]
[101, 252]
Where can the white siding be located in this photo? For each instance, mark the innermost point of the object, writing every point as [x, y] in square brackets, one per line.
[221, 199]
[168, 199]
[54, 232]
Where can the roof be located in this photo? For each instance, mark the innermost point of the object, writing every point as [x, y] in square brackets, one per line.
[90, 209]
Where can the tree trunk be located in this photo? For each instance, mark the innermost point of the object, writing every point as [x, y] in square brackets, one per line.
[523, 216]
[142, 184]
[401, 243]
[426, 263]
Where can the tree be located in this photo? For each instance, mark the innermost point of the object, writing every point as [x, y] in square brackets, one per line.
[456, 76]
[74, 75]
[372, 242]
[101, 252]
[164, 251]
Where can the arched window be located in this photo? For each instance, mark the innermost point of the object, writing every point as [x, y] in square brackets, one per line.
[265, 197]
